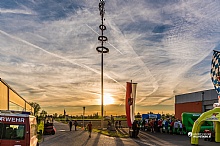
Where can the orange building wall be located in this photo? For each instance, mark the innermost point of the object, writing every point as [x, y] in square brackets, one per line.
[191, 107]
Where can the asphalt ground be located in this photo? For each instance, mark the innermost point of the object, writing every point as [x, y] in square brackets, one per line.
[64, 137]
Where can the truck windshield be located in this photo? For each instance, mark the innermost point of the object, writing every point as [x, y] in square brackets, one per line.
[12, 131]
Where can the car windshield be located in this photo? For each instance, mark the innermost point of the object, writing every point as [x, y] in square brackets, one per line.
[12, 131]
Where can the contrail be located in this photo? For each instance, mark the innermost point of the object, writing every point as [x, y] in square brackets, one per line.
[154, 82]
[58, 56]
[107, 41]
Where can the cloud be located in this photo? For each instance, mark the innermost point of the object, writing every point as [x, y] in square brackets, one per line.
[48, 50]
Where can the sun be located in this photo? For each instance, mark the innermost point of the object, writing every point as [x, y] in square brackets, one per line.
[108, 99]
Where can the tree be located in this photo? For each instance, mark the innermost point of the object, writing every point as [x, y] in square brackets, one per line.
[43, 113]
[36, 107]
[55, 115]
[138, 115]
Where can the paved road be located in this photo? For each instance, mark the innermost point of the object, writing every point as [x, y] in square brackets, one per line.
[64, 137]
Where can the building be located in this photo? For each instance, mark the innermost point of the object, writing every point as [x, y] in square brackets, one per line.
[196, 102]
[11, 100]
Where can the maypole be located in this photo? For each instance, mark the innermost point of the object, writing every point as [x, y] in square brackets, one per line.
[101, 49]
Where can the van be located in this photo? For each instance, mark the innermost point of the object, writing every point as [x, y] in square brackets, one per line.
[18, 128]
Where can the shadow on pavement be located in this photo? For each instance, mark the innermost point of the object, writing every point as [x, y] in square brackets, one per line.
[85, 143]
[81, 133]
[122, 131]
[96, 141]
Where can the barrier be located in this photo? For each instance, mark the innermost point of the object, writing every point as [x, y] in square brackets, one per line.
[188, 120]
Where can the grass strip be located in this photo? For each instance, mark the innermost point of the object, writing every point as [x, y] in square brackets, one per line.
[111, 133]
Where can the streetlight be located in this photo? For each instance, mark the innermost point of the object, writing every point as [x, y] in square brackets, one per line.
[84, 108]
[101, 49]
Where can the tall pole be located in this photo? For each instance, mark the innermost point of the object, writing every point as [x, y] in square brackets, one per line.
[101, 49]
[83, 116]
[203, 106]
[102, 98]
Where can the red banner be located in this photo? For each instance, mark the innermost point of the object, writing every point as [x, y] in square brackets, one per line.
[128, 102]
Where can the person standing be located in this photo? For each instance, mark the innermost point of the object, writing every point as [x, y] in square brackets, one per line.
[176, 126]
[180, 127]
[152, 125]
[112, 120]
[155, 125]
[172, 126]
[143, 124]
[75, 124]
[70, 125]
[89, 127]
[116, 124]
[119, 122]
[134, 128]
[166, 126]
[160, 125]
[109, 125]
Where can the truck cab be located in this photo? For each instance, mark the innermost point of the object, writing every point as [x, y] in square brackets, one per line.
[18, 128]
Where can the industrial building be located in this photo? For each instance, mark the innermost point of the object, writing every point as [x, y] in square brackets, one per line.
[196, 102]
[11, 100]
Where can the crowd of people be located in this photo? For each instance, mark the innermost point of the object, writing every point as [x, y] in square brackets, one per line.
[171, 126]
[168, 125]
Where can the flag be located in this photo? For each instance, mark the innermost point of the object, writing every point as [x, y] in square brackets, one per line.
[215, 74]
[130, 102]
[133, 96]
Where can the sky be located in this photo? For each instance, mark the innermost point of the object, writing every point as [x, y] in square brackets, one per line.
[48, 52]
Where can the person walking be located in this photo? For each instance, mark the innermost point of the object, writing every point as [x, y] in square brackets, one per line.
[70, 125]
[89, 127]
[75, 124]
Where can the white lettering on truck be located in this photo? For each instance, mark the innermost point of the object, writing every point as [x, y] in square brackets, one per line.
[11, 119]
